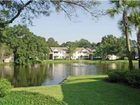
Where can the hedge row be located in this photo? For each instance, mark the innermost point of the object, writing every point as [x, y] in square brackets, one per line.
[131, 78]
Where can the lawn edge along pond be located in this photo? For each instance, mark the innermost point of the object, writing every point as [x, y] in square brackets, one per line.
[86, 61]
[86, 90]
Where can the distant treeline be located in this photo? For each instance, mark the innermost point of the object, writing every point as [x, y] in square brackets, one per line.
[28, 48]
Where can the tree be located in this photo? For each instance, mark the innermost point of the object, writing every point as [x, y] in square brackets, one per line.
[81, 43]
[52, 43]
[71, 49]
[122, 50]
[27, 47]
[93, 45]
[134, 19]
[84, 43]
[111, 45]
[10, 10]
[123, 7]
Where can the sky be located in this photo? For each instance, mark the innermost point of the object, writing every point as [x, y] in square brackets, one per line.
[58, 26]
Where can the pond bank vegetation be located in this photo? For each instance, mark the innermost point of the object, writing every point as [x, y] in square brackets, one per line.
[78, 90]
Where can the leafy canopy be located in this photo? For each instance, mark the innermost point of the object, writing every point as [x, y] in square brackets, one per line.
[27, 47]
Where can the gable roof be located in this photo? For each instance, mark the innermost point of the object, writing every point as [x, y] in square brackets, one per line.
[79, 49]
[58, 49]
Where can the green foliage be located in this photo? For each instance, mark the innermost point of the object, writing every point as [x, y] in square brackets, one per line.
[27, 47]
[111, 45]
[71, 49]
[5, 87]
[69, 43]
[134, 18]
[125, 8]
[84, 43]
[28, 98]
[112, 12]
[116, 76]
[131, 78]
[80, 43]
[52, 43]
[26, 11]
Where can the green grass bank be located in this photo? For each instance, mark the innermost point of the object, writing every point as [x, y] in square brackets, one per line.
[88, 90]
[87, 61]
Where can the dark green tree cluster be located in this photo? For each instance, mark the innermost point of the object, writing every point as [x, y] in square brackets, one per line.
[51, 42]
[26, 47]
[81, 43]
[111, 45]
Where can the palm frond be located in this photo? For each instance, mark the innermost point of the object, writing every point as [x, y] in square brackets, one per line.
[134, 18]
[112, 12]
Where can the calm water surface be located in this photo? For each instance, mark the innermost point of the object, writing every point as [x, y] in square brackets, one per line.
[50, 74]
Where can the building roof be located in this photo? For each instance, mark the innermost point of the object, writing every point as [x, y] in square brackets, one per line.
[58, 49]
[79, 49]
[83, 49]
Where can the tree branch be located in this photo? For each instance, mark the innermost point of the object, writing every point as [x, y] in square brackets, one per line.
[67, 14]
[76, 3]
[19, 12]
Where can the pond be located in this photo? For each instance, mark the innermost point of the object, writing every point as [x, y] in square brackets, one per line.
[51, 74]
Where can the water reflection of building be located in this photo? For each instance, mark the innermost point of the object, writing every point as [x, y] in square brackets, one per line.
[82, 69]
[112, 66]
[52, 73]
[6, 71]
[55, 74]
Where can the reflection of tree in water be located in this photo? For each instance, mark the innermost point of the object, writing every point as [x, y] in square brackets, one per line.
[55, 70]
[100, 69]
[29, 75]
[81, 69]
[50, 71]
[6, 71]
[114, 66]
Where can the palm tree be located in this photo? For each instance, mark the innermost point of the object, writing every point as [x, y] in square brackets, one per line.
[124, 7]
[134, 19]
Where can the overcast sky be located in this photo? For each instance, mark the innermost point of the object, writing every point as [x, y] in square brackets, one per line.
[84, 26]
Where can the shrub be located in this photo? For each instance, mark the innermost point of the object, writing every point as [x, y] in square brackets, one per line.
[133, 78]
[5, 87]
[29, 98]
[125, 58]
[116, 76]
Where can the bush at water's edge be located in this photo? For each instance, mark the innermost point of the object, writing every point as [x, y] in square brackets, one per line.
[131, 78]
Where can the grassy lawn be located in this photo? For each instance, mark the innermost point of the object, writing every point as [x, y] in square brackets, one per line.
[89, 90]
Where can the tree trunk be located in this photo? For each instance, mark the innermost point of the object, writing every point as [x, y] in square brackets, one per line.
[15, 55]
[138, 43]
[125, 23]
